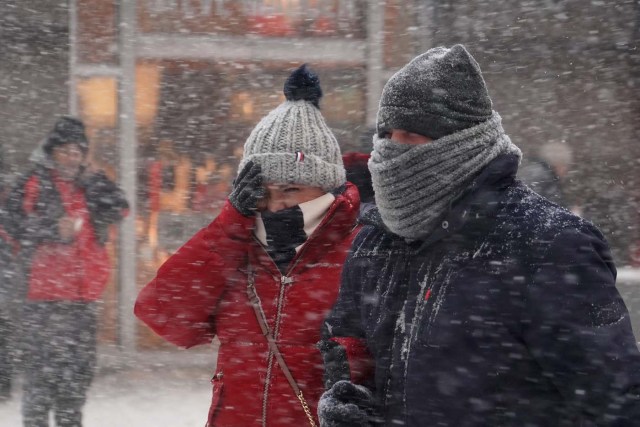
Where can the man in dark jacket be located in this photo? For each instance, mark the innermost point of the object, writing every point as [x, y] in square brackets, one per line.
[60, 212]
[480, 302]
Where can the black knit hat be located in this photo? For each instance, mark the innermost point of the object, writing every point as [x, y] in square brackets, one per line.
[67, 130]
[438, 93]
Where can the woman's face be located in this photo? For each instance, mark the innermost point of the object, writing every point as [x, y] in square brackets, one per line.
[283, 196]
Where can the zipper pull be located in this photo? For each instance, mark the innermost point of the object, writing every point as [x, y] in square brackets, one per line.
[284, 280]
[217, 377]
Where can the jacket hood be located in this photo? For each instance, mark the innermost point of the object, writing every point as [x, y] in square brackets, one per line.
[343, 214]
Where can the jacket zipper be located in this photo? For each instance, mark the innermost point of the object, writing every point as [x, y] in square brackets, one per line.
[271, 355]
[285, 279]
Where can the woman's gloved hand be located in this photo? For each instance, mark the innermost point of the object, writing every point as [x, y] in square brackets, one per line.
[247, 189]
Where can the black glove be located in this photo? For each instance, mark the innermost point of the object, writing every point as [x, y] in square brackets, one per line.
[346, 405]
[247, 189]
[336, 364]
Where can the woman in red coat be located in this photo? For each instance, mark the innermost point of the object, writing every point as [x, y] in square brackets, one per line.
[280, 240]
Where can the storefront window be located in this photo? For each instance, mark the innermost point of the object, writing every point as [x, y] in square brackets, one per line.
[98, 108]
[269, 18]
[96, 36]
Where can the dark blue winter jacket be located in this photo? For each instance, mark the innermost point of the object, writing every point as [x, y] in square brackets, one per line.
[507, 315]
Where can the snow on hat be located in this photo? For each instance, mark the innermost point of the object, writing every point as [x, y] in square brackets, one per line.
[438, 93]
[67, 130]
[292, 143]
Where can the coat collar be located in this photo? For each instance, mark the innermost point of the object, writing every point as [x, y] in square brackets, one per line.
[337, 224]
[342, 215]
[480, 200]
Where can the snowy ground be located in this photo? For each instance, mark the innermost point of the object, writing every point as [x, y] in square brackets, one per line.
[172, 390]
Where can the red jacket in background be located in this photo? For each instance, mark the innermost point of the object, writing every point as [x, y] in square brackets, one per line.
[201, 291]
[58, 270]
[70, 271]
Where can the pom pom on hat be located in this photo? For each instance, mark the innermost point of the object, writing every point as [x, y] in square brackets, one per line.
[293, 144]
[303, 84]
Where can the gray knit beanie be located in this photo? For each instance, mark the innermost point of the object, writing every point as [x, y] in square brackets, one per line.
[293, 144]
[438, 93]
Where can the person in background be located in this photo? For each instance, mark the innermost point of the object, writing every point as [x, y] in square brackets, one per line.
[60, 212]
[358, 174]
[480, 302]
[613, 211]
[545, 172]
[265, 273]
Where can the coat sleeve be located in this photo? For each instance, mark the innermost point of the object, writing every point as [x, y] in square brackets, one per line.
[24, 220]
[343, 345]
[179, 304]
[579, 331]
[105, 200]
[106, 203]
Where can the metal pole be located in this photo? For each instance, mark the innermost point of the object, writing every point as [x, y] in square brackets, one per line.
[73, 57]
[127, 175]
[375, 64]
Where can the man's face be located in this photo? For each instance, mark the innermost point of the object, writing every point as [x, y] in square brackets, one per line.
[404, 137]
[67, 159]
[284, 196]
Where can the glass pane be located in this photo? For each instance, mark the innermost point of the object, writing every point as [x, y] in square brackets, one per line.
[269, 18]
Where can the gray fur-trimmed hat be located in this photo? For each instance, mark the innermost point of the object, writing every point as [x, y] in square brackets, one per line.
[293, 144]
[438, 93]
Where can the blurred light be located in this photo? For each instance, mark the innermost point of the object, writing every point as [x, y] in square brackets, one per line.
[242, 105]
[98, 101]
[147, 92]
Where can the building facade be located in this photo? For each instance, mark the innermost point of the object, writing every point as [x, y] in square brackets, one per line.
[170, 89]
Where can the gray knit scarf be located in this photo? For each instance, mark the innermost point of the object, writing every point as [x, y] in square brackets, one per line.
[415, 184]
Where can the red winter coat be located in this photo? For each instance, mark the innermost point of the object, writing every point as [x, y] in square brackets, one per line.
[55, 269]
[69, 271]
[201, 291]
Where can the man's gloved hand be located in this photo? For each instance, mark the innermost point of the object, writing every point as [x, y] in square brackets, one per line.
[247, 189]
[346, 405]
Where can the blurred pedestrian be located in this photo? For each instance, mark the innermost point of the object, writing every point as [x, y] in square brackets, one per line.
[60, 211]
[614, 213]
[545, 172]
[481, 302]
[264, 274]
[355, 165]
